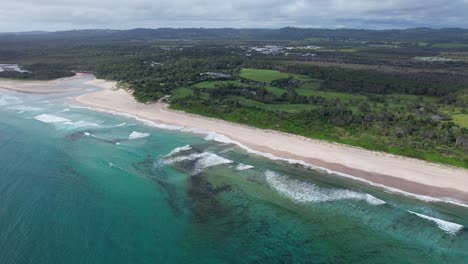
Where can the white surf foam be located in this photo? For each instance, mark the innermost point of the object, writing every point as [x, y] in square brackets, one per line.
[25, 108]
[9, 100]
[192, 156]
[204, 160]
[209, 160]
[218, 138]
[121, 124]
[304, 192]
[449, 227]
[46, 118]
[112, 165]
[137, 135]
[213, 136]
[80, 124]
[139, 119]
[241, 167]
[178, 150]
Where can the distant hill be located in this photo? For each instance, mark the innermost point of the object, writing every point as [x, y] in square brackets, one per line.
[289, 33]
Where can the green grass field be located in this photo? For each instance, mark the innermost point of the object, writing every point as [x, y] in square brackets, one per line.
[263, 76]
[461, 119]
[328, 95]
[309, 88]
[272, 107]
[181, 93]
[275, 90]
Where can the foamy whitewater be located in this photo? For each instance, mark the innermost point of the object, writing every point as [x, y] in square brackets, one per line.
[178, 150]
[46, 118]
[241, 167]
[137, 135]
[9, 100]
[99, 188]
[450, 228]
[204, 160]
[305, 192]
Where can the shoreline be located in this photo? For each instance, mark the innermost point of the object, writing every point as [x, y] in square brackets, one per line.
[379, 169]
[39, 87]
[396, 174]
[387, 183]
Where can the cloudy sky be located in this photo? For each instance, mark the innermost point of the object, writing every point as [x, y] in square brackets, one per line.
[52, 15]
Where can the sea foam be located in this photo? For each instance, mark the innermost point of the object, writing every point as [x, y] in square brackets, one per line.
[241, 167]
[46, 118]
[304, 192]
[137, 135]
[204, 160]
[24, 108]
[80, 124]
[178, 150]
[8, 100]
[449, 227]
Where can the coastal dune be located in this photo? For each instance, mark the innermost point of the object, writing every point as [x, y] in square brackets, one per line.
[395, 173]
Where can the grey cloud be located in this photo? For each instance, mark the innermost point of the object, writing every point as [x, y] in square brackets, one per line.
[25, 15]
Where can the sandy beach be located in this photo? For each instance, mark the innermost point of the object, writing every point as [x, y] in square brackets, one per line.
[40, 87]
[375, 168]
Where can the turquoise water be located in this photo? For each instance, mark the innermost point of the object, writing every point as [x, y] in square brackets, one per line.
[79, 186]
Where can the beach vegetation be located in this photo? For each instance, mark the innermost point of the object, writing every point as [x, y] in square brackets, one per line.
[362, 88]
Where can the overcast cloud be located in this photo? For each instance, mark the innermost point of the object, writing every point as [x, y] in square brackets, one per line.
[51, 15]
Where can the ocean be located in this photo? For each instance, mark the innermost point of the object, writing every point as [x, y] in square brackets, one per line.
[82, 186]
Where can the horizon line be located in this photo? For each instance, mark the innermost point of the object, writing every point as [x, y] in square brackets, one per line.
[235, 28]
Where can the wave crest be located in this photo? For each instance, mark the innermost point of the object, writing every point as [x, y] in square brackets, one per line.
[46, 118]
[137, 135]
[303, 192]
[449, 227]
[178, 150]
[204, 160]
[241, 167]
[8, 100]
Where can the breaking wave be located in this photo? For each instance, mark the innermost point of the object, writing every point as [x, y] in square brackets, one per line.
[204, 160]
[449, 227]
[80, 124]
[46, 118]
[241, 167]
[8, 100]
[303, 192]
[178, 150]
[137, 135]
[24, 108]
